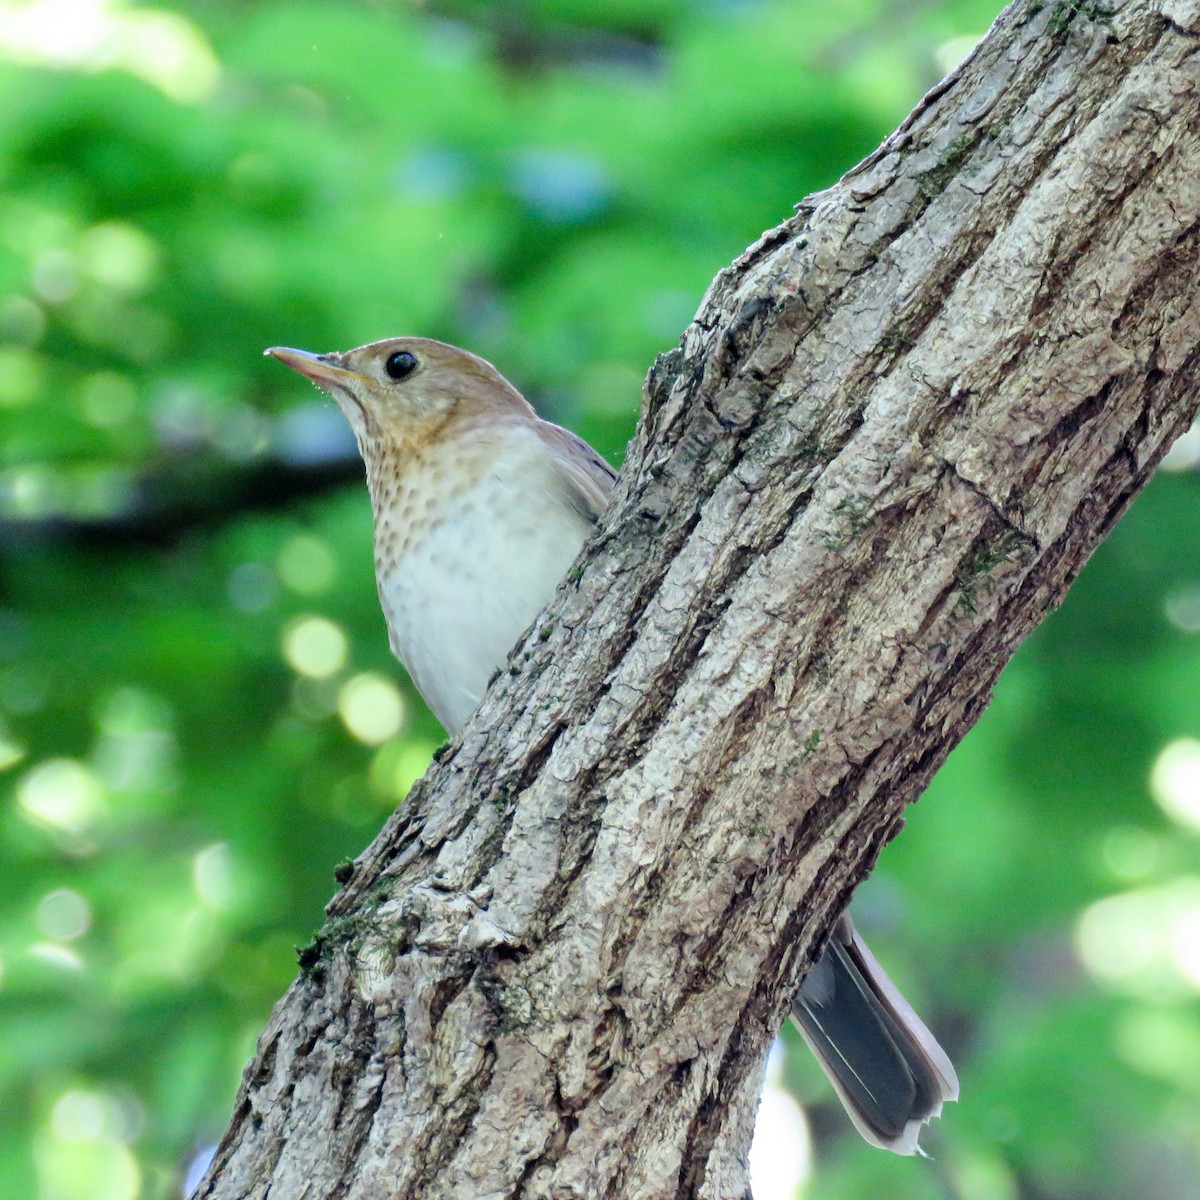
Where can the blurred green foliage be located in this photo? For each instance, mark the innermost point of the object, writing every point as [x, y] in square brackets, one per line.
[198, 713]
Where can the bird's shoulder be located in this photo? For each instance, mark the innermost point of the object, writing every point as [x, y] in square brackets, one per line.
[586, 479]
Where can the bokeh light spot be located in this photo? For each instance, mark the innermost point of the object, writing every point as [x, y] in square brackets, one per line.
[398, 765]
[251, 587]
[196, 941]
[21, 376]
[30, 491]
[96, 1169]
[781, 1153]
[1175, 781]
[430, 173]
[314, 699]
[312, 434]
[21, 320]
[196, 1168]
[162, 48]
[62, 794]
[11, 752]
[950, 53]
[171, 53]
[212, 876]
[57, 955]
[371, 707]
[79, 1116]
[119, 255]
[242, 434]
[1183, 609]
[560, 185]
[314, 646]
[136, 750]
[1115, 938]
[983, 1175]
[1131, 854]
[64, 915]
[55, 276]
[107, 399]
[1160, 1043]
[1184, 454]
[1147, 941]
[1185, 944]
[306, 564]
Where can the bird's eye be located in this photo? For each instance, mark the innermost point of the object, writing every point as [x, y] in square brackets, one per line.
[400, 364]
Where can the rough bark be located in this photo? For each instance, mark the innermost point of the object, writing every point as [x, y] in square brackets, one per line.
[896, 429]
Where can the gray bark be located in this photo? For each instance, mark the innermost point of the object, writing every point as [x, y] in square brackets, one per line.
[898, 426]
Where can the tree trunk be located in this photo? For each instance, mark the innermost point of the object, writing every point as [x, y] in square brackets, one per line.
[898, 426]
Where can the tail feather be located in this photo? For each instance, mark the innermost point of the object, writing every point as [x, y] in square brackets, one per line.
[886, 1067]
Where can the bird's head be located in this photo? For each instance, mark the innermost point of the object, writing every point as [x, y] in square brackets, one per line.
[407, 391]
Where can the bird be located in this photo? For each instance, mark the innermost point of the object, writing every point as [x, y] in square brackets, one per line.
[480, 507]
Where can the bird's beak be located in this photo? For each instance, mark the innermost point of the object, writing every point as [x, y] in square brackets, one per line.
[317, 367]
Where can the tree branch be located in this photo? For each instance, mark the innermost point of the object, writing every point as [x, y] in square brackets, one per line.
[898, 426]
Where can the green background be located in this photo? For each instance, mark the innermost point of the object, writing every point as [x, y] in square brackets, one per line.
[199, 716]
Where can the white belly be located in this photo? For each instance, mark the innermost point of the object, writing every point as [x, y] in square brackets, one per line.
[462, 594]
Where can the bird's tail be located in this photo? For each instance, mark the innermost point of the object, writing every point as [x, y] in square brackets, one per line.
[887, 1068]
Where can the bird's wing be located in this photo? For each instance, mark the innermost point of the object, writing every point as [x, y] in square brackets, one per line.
[587, 480]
